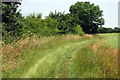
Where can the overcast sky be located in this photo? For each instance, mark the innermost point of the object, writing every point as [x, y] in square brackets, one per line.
[109, 7]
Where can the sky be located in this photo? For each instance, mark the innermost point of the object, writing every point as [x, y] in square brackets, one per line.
[109, 7]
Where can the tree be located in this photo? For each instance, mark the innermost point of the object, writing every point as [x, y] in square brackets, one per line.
[105, 30]
[102, 30]
[66, 23]
[88, 16]
[61, 19]
[117, 30]
[12, 25]
[35, 25]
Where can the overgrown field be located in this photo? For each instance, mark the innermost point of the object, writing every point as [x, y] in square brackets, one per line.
[65, 56]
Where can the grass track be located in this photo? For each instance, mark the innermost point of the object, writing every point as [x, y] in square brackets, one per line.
[65, 58]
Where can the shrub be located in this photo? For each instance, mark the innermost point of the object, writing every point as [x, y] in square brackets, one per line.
[78, 30]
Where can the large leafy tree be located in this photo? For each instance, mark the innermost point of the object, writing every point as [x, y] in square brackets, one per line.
[87, 15]
[67, 23]
[11, 19]
[61, 19]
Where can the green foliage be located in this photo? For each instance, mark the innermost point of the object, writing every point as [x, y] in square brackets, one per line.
[108, 30]
[83, 16]
[12, 25]
[88, 16]
[51, 25]
[66, 23]
[102, 30]
[62, 21]
[117, 30]
[78, 30]
[34, 24]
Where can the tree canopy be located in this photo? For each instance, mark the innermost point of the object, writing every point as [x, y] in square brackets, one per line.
[84, 17]
[88, 16]
[12, 24]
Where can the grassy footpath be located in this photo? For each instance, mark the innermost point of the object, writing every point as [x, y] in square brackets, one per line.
[67, 56]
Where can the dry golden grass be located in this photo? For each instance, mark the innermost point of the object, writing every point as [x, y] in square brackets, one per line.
[108, 56]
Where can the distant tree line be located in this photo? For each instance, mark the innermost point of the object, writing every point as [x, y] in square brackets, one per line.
[84, 17]
[108, 30]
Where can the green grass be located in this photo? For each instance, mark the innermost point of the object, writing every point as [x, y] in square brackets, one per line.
[67, 56]
[86, 65]
[111, 39]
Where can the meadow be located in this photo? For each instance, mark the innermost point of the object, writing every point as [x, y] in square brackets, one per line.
[60, 45]
[64, 56]
[112, 39]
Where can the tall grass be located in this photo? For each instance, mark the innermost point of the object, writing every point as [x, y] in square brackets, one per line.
[32, 50]
[111, 39]
[65, 56]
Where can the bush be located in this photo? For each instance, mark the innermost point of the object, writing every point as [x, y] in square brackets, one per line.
[78, 30]
[34, 24]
